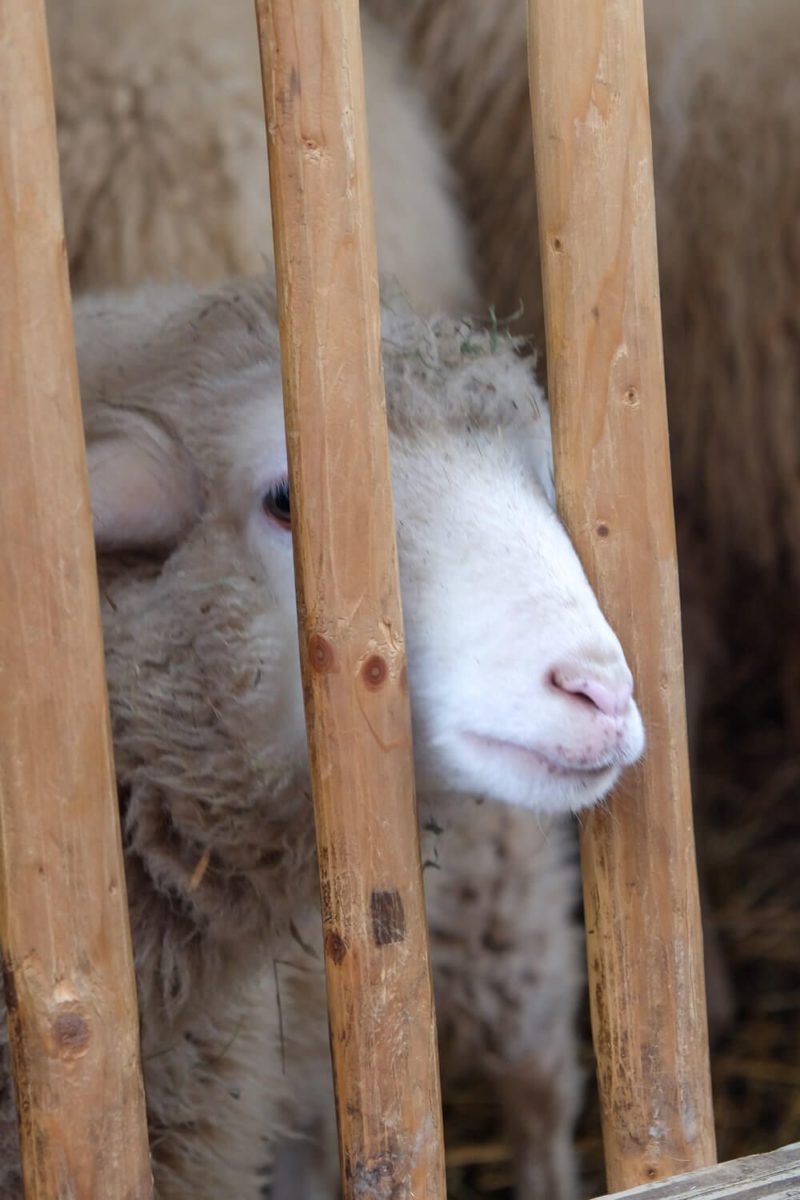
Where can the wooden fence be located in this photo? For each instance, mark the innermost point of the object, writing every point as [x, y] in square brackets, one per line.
[73, 1014]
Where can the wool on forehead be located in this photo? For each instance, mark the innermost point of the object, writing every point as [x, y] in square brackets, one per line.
[448, 371]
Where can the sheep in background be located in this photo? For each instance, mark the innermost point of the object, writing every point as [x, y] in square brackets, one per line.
[163, 151]
[190, 500]
[725, 100]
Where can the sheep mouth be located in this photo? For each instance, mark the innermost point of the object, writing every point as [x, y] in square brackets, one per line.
[528, 757]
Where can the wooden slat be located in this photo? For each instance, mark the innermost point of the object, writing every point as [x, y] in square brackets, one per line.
[63, 915]
[774, 1176]
[597, 230]
[351, 632]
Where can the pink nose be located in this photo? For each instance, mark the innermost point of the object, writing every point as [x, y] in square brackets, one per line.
[610, 697]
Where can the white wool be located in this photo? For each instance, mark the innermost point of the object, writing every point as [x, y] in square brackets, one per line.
[164, 161]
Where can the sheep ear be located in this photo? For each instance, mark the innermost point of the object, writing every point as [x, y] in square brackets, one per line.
[144, 487]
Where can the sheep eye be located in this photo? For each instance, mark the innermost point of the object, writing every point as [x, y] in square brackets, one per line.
[277, 503]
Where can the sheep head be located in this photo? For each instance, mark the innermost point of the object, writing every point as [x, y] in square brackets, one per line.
[520, 690]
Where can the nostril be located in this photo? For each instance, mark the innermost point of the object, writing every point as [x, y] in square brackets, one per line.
[610, 698]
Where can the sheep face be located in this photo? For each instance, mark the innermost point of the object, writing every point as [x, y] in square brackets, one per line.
[519, 688]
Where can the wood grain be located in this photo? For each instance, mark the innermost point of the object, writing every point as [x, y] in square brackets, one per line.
[606, 378]
[774, 1176]
[351, 631]
[66, 946]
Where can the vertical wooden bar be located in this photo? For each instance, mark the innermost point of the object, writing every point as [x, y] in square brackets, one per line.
[66, 946]
[351, 632]
[605, 365]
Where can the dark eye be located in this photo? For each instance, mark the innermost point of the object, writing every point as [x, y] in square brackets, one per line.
[277, 504]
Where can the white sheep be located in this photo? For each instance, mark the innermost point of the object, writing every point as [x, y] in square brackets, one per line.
[520, 693]
[163, 151]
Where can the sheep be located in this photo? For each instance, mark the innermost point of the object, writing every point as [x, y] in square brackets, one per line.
[163, 151]
[725, 101]
[185, 446]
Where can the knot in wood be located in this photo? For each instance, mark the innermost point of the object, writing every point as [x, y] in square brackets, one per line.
[321, 655]
[381, 1179]
[70, 1032]
[10, 986]
[375, 672]
[388, 917]
[335, 947]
